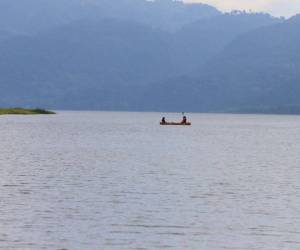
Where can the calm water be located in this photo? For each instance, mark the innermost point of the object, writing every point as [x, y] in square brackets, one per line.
[93, 180]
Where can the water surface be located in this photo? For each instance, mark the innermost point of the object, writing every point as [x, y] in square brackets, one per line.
[100, 180]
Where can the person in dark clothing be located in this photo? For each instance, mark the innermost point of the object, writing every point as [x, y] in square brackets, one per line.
[163, 120]
[184, 120]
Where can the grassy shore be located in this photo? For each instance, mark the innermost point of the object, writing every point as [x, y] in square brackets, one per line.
[21, 111]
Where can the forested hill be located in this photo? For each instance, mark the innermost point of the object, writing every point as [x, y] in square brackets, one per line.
[257, 72]
[84, 65]
[261, 68]
[198, 42]
[140, 55]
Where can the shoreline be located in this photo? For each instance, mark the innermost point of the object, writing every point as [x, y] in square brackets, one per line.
[23, 111]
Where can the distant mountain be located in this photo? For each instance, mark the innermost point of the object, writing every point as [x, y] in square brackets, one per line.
[258, 72]
[260, 68]
[168, 15]
[35, 15]
[198, 42]
[108, 64]
[32, 16]
[138, 55]
[83, 65]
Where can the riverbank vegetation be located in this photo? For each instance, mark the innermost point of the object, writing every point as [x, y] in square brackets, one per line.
[22, 111]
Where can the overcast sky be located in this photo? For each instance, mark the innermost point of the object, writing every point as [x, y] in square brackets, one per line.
[275, 7]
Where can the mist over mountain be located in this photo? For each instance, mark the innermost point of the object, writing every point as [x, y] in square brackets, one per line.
[36, 15]
[139, 55]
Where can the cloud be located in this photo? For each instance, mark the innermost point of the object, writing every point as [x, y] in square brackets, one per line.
[239, 4]
[284, 7]
[275, 7]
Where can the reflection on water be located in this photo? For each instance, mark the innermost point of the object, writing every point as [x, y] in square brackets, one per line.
[93, 180]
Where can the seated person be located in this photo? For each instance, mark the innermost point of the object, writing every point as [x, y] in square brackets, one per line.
[184, 120]
[163, 120]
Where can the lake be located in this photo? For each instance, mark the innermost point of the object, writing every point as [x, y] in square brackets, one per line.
[110, 180]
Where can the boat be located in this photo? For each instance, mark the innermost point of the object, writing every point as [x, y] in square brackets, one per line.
[184, 122]
[175, 124]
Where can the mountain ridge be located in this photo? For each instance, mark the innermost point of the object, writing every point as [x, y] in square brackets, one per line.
[221, 63]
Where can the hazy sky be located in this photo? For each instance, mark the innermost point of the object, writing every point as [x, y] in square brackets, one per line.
[275, 7]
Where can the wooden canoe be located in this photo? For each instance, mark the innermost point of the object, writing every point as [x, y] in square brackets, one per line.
[175, 124]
